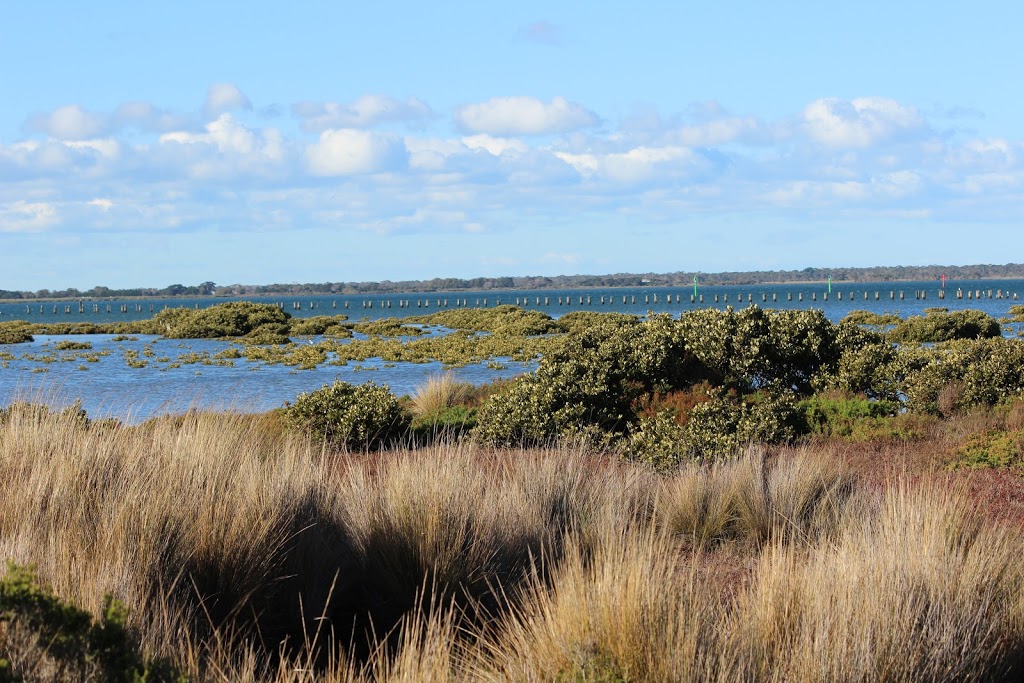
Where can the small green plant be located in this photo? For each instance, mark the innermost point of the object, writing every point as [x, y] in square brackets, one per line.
[842, 415]
[992, 448]
[357, 417]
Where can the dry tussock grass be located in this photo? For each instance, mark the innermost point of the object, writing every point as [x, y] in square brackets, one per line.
[440, 392]
[244, 554]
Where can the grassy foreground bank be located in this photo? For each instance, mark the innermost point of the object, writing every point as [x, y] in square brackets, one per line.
[242, 551]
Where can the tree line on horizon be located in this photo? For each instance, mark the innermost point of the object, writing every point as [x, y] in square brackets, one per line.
[450, 284]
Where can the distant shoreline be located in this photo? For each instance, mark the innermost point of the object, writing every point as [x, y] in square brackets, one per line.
[810, 276]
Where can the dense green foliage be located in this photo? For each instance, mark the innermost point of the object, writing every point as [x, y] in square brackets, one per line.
[940, 326]
[232, 319]
[587, 384]
[505, 320]
[14, 332]
[80, 647]
[357, 417]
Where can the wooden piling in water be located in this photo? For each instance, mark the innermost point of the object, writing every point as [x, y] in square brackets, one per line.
[901, 296]
[824, 296]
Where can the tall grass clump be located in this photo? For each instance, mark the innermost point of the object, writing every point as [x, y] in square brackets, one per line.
[919, 590]
[241, 552]
[438, 393]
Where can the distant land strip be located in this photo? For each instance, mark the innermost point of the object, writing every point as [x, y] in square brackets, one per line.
[451, 284]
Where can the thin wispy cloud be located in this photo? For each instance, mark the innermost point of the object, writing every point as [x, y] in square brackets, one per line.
[541, 33]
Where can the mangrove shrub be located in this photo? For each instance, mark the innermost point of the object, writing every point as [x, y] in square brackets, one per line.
[360, 417]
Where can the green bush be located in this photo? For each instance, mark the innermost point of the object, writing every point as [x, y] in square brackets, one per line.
[78, 646]
[268, 333]
[939, 327]
[588, 383]
[755, 349]
[868, 364]
[505, 320]
[983, 371]
[450, 422]
[14, 332]
[836, 415]
[320, 325]
[993, 448]
[231, 319]
[357, 417]
[388, 327]
[715, 430]
[68, 345]
[876, 321]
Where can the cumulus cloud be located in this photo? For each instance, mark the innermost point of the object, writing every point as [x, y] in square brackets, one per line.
[225, 149]
[70, 122]
[224, 97]
[368, 110]
[636, 165]
[523, 116]
[22, 216]
[348, 152]
[861, 122]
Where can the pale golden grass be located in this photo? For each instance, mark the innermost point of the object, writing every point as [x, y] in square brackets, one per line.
[439, 392]
[243, 554]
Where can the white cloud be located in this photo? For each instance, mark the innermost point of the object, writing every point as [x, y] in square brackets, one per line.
[22, 216]
[635, 165]
[523, 116]
[105, 147]
[368, 110]
[349, 152]
[101, 203]
[719, 132]
[495, 146]
[224, 97]
[70, 122]
[862, 122]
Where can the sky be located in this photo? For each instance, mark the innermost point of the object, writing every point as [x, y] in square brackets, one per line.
[144, 144]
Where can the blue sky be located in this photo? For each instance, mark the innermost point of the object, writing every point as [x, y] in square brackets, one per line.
[144, 144]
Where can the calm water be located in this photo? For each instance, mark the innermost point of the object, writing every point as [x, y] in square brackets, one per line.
[110, 388]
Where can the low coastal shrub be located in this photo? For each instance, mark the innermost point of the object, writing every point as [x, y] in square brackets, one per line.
[332, 326]
[983, 371]
[388, 327]
[506, 320]
[991, 448]
[68, 345]
[939, 326]
[360, 417]
[876, 321]
[15, 332]
[64, 638]
[842, 415]
[231, 319]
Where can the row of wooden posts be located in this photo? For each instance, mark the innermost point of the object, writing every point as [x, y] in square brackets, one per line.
[568, 300]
